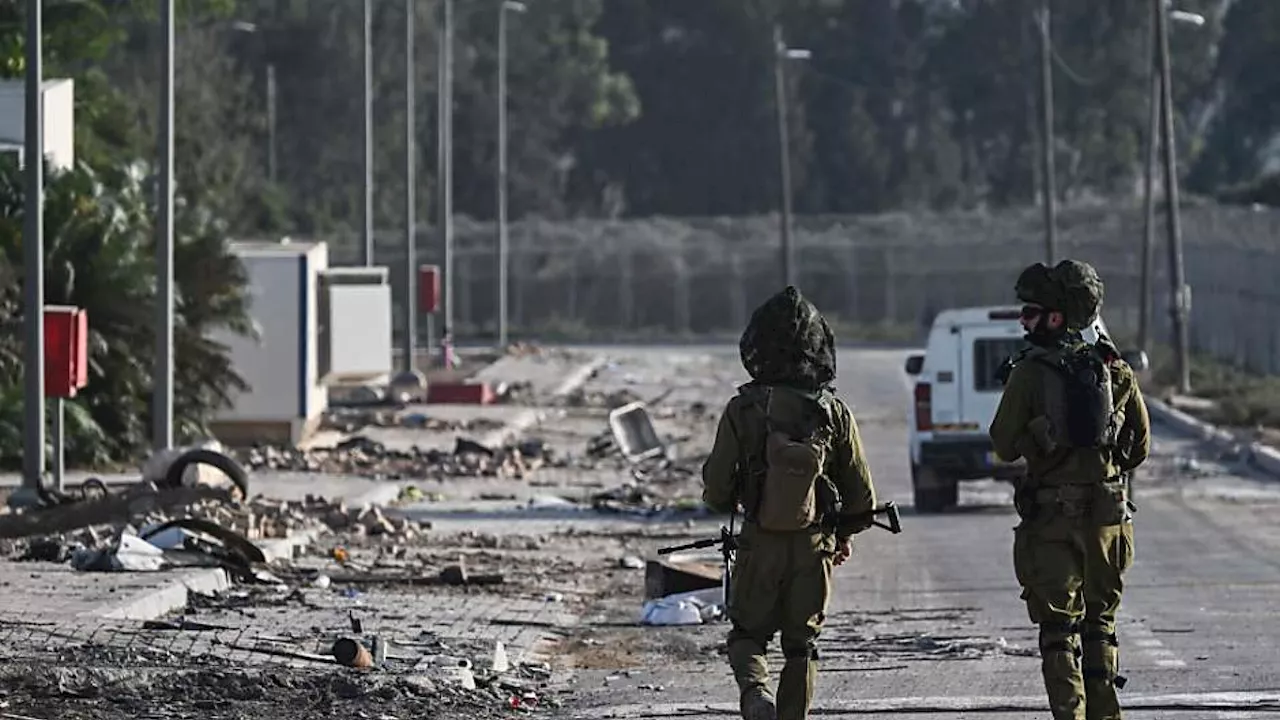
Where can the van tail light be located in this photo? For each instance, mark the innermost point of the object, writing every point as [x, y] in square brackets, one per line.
[924, 406]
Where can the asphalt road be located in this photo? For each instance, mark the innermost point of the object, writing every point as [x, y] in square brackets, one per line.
[928, 623]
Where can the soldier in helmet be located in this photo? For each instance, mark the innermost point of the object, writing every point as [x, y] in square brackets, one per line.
[787, 451]
[1073, 410]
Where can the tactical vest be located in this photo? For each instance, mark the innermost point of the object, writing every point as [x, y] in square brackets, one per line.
[787, 485]
[1079, 397]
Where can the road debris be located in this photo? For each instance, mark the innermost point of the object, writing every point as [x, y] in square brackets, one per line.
[362, 456]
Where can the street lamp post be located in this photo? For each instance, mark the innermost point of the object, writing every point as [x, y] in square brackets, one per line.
[162, 409]
[367, 131]
[250, 28]
[271, 122]
[444, 169]
[1181, 292]
[33, 456]
[781, 55]
[410, 329]
[504, 258]
[1047, 139]
[1160, 130]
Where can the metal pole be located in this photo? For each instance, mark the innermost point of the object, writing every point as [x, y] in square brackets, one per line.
[59, 451]
[1180, 291]
[163, 379]
[271, 122]
[784, 153]
[1148, 186]
[33, 457]
[410, 338]
[1049, 189]
[503, 250]
[368, 134]
[446, 176]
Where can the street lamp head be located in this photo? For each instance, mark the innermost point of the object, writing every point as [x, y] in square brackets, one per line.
[244, 26]
[1187, 17]
[797, 54]
[514, 5]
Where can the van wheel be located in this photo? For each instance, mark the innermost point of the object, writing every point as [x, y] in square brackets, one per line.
[932, 492]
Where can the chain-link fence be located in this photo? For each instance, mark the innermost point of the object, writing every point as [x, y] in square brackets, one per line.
[603, 280]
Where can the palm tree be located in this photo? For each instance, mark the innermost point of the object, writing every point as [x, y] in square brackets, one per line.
[99, 255]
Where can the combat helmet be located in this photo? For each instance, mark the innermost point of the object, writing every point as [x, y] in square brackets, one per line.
[1081, 290]
[1037, 285]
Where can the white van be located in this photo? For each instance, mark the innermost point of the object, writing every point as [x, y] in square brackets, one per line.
[955, 397]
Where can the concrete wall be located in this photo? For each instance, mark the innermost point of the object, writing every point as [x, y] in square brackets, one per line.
[59, 119]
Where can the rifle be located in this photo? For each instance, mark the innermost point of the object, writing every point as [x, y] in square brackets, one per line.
[728, 540]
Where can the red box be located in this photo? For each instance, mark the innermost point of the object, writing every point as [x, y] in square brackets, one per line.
[66, 350]
[428, 288]
[460, 393]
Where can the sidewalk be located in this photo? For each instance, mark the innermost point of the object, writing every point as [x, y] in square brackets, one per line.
[52, 591]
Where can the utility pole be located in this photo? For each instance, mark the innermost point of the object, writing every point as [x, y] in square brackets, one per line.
[163, 394]
[367, 128]
[781, 53]
[1048, 140]
[444, 94]
[410, 329]
[504, 254]
[1148, 182]
[33, 457]
[1181, 292]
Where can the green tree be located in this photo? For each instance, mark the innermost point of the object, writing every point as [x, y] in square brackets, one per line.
[99, 255]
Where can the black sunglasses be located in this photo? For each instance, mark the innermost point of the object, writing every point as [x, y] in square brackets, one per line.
[1031, 311]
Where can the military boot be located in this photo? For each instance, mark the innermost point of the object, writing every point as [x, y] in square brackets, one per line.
[757, 704]
[795, 687]
[1060, 663]
[1100, 667]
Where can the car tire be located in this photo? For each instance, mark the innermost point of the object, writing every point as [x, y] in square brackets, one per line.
[938, 492]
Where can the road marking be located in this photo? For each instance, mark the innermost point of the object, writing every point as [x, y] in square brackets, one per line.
[1255, 701]
[1149, 646]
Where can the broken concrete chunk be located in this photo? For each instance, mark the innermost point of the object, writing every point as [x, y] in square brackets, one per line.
[663, 578]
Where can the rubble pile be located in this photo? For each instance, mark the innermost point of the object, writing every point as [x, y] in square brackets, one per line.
[267, 519]
[258, 519]
[364, 457]
[581, 398]
[109, 683]
[354, 419]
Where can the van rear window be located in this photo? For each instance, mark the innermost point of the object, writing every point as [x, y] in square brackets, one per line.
[988, 355]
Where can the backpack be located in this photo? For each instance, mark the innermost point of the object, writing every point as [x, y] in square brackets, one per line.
[1079, 398]
[792, 490]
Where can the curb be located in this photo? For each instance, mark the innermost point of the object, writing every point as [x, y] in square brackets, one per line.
[533, 416]
[173, 595]
[1259, 456]
[151, 604]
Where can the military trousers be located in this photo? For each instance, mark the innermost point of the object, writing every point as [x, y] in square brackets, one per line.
[781, 583]
[1072, 577]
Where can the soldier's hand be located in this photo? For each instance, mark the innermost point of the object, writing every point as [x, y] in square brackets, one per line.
[844, 549]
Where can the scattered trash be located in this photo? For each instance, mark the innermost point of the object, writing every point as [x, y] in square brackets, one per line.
[128, 553]
[501, 663]
[352, 653]
[690, 608]
[634, 434]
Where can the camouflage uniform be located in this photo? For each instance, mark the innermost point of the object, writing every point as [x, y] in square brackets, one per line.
[781, 582]
[1075, 541]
